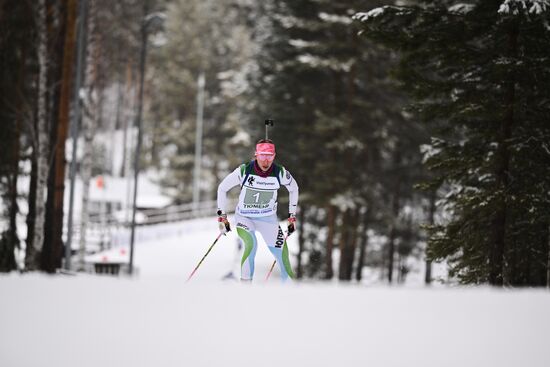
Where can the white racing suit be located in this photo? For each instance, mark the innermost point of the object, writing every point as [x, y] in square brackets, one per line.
[256, 212]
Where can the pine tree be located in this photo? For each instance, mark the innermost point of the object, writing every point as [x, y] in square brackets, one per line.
[478, 74]
[338, 112]
[17, 64]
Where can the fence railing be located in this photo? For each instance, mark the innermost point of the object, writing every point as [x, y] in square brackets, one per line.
[173, 213]
[102, 228]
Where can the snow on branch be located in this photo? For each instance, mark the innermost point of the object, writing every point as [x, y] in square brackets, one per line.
[288, 21]
[461, 8]
[431, 150]
[531, 6]
[331, 63]
[300, 43]
[377, 12]
[334, 18]
[363, 17]
[344, 201]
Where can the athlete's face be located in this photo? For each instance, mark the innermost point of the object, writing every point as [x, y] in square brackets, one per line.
[265, 161]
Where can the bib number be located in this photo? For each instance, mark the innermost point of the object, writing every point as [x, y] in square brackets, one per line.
[256, 198]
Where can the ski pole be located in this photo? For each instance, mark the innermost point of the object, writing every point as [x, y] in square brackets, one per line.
[200, 262]
[275, 261]
[270, 270]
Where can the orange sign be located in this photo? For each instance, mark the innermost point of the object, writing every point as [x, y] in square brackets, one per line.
[100, 183]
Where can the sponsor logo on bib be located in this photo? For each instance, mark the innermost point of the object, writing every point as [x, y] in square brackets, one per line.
[265, 183]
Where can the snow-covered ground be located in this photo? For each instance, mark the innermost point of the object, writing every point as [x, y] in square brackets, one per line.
[173, 250]
[157, 319]
[162, 321]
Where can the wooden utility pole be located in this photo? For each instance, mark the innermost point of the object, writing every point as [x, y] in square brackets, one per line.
[51, 260]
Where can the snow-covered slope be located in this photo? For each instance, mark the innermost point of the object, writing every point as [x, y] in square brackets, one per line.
[161, 321]
[157, 319]
[174, 249]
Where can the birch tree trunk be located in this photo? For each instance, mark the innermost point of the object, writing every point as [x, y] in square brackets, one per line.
[13, 239]
[32, 255]
[31, 214]
[89, 123]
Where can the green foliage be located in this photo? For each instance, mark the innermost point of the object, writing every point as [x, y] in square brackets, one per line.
[479, 77]
[17, 97]
[340, 128]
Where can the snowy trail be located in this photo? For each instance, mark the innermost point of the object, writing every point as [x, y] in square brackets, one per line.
[89, 321]
[174, 249]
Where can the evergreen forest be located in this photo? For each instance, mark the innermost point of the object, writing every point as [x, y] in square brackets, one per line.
[418, 130]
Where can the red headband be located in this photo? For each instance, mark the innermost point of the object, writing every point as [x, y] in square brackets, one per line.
[265, 148]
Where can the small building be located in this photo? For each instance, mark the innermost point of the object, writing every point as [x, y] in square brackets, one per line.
[109, 262]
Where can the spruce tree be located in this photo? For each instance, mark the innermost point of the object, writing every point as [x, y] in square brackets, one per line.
[338, 114]
[479, 75]
[17, 98]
